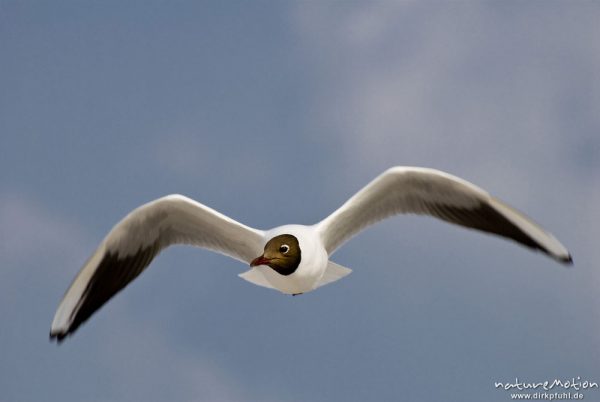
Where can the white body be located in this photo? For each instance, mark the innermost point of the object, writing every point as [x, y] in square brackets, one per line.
[313, 262]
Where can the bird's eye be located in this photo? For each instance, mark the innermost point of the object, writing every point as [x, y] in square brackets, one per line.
[284, 248]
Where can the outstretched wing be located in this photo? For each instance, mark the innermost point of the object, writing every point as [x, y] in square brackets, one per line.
[412, 190]
[132, 244]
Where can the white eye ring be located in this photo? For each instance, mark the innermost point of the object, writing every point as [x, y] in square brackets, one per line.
[284, 248]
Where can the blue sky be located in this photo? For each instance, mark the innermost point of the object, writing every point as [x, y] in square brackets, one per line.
[277, 112]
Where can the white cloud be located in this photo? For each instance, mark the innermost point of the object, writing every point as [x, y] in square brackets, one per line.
[457, 93]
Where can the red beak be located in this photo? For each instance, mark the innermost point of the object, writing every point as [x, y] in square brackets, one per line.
[260, 261]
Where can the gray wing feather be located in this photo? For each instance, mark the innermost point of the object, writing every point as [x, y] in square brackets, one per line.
[132, 244]
[422, 191]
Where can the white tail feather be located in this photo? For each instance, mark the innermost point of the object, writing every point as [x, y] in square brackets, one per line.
[333, 272]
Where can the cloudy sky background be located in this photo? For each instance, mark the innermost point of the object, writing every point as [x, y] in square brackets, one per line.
[277, 112]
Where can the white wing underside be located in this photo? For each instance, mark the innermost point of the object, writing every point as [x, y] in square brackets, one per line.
[422, 191]
[137, 239]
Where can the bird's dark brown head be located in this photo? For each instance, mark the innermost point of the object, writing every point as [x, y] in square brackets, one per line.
[282, 254]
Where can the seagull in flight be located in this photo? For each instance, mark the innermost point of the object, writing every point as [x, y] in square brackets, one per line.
[293, 259]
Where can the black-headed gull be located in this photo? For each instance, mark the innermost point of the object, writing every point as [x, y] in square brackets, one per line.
[293, 259]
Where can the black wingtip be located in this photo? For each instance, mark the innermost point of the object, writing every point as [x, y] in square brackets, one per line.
[58, 337]
[567, 260]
